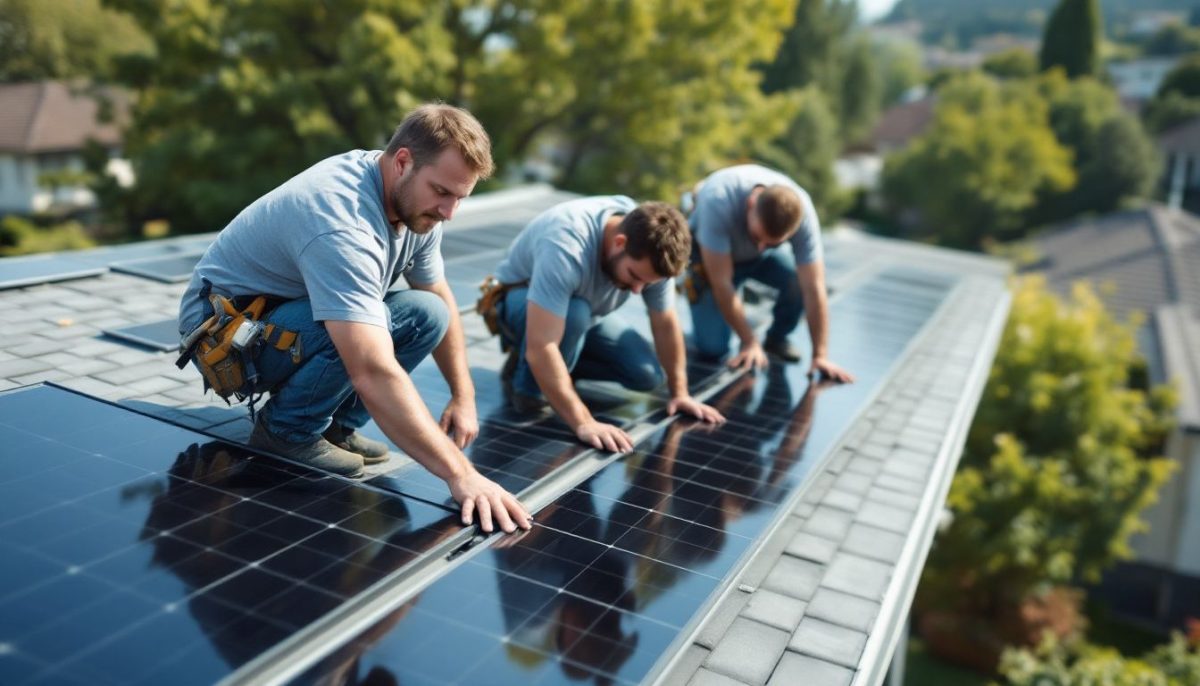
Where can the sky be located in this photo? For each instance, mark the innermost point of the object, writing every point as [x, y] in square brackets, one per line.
[874, 9]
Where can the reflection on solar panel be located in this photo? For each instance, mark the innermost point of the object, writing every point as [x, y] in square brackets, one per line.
[162, 335]
[25, 271]
[175, 269]
[615, 571]
[134, 551]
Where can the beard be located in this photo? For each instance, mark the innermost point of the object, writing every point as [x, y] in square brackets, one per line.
[609, 267]
[403, 198]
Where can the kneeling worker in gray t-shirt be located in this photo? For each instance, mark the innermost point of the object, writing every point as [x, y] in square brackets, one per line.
[326, 247]
[568, 269]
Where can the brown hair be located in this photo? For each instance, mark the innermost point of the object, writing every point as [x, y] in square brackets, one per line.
[780, 210]
[658, 231]
[433, 127]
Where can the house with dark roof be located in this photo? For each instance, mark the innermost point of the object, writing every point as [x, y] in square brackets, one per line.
[44, 128]
[141, 541]
[1148, 261]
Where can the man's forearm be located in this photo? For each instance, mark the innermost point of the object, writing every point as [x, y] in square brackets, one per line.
[732, 310]
[668, 346]
[396, 407]
[817, 317]
[553, 377]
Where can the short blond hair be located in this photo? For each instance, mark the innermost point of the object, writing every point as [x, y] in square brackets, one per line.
[433, 127]
[780, 210]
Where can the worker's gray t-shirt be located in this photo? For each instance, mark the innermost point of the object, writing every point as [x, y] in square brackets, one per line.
[719, 221]
[323, 235]
[559, 254]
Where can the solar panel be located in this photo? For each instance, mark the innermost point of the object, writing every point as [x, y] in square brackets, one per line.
[135, 551]
[16, 272]
[174, 269]
[162, 335]
[617, 569]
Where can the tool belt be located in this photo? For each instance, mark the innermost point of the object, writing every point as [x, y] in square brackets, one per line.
[492, 292]
[695, 282]
[225, 346]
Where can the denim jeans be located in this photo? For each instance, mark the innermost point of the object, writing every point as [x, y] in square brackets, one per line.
[775, 268]
[609, 350]
[307, 397]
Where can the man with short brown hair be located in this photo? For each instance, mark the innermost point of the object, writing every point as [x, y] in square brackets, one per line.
[569, 268]
[751, 222]
[326, 246]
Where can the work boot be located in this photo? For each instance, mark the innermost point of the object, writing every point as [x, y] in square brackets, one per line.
[319, 453]
[524, 404]
[372, 451]
[782, 350]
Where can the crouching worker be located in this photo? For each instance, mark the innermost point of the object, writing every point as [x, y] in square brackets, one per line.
[329, 342]
[572, 265]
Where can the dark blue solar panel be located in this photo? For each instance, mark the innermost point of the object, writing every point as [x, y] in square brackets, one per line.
[134, 551]
[618, 567]
[162, 335]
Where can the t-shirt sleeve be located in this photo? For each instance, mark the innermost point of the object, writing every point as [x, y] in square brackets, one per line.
[428, 267]
[711, 221]
[343, 280]
[555, 277]
[660, 296]
[806, 242]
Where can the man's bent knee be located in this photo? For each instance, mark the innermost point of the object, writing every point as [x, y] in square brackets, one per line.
[423, 314]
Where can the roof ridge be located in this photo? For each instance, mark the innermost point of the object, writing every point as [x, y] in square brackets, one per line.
[1167, 242]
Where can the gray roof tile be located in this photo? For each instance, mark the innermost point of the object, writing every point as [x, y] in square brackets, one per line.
[828, 641]
[748, 652]
[843, 609]
[705, 677]
[858, 576]
[828, 522]
[775, 609]
[794, 577]
[809, 547]
[802, 670]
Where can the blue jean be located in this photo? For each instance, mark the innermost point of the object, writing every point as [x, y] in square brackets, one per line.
[308, 397]
[609, 350]
[775, 268]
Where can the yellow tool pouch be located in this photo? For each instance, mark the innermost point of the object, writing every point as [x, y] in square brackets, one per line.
[695, 283]
[491, 293]
[225, 346]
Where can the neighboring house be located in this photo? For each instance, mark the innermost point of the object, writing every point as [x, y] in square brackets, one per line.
[1148, 261]
[44, 127]
[861, 167]
[1139, 79]
[1149, 22]
[1180, 147]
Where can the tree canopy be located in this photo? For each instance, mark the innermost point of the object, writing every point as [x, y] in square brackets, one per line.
[1072, 38]
[63, 39]
[638, 96]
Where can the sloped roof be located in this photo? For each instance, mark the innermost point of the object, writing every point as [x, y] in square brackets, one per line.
[1141, 260]
[901, 123]
[50, 116]
[823, 593]
[1184, 138]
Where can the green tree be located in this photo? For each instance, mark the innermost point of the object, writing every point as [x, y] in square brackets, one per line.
[63, 39]
[1183, 79]
[1072, 38]
[1014, 63]
[900, 68]
[1173, 39]
[1165, 112]
[1113, 157]
[985, 159]
[1059, 462]
[1076, 663]
[640, 97]
[807, 150]
[820, 49]
[20, 236]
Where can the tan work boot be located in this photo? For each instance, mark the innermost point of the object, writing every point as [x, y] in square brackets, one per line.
[372, 451]
[320, 454]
